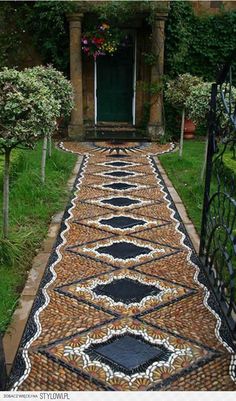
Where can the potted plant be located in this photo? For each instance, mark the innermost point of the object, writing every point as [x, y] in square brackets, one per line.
[177, 93]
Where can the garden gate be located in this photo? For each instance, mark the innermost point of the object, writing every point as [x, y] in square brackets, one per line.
[218, 233]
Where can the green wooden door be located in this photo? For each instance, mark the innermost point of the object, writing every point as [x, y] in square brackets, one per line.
[115, 86]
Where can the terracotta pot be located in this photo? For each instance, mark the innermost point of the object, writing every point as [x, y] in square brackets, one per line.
[189, 129]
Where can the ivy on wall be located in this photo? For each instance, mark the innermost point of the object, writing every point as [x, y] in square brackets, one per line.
[198, 44]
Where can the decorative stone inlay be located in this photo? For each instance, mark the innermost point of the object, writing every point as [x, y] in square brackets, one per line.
[123, 250]
[126, 290]
[128, 353]
[122, 222]
[119, 164]
[120, 186]
[119, 202]
[119, 174]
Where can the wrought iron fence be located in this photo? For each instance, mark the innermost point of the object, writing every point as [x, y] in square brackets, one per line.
[218, 234]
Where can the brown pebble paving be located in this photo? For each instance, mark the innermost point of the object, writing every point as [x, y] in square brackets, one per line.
[121, 305]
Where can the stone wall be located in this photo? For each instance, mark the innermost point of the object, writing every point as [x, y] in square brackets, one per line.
[212, 7]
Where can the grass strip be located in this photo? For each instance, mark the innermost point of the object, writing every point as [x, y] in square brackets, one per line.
[31, 207]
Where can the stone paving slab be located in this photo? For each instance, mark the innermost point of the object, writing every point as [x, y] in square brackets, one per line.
[124, 303]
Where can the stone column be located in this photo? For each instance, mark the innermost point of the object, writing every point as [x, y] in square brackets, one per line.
[156, 119]
[76, 126]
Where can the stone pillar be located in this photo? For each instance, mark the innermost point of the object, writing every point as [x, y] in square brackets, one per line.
[156, 119]
[76, 126]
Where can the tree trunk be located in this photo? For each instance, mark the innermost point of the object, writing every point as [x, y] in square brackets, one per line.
[182, 134]
[6, 193]
[50, 146]
[44, 156]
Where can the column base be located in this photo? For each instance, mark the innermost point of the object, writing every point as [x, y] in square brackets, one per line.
[156, 132]
[76, 132]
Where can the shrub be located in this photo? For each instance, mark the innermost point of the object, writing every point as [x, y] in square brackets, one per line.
[59, 86]
[198, 104]
[179, 89]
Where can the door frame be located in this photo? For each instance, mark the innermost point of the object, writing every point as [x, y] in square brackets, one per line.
[134, 85]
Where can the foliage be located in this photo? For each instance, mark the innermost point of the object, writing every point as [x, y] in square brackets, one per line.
[198, 102]
[30, 219]
[59, 86]
[11, 36]
[119, 12]
[150, 58]
[178, 37]
[179, 89]
[198, 44]
[27, 109]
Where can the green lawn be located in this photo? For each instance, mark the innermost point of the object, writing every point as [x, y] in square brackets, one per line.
[31, 208]
[185, 175]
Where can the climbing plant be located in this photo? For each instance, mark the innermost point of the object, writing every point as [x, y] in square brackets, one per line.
[198, 44]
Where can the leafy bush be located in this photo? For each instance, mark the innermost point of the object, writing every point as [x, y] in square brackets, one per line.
[58, 85]
[198, 101]
[198, 104]
[27, 109]
[179, 89]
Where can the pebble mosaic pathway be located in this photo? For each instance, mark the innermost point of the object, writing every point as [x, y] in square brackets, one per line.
[123, 304]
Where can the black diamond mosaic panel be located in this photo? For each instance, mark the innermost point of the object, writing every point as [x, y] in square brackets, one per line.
[118, 164]
[122, 222]
[129, 354]
[119, 186]
[121, 201]
[118, 155]
[126, 290]
[123, 250]
[119, 173]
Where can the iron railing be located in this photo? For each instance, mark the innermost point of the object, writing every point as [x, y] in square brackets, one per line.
[218, 233]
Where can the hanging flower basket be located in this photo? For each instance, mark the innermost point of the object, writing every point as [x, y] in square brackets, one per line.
[101, 41]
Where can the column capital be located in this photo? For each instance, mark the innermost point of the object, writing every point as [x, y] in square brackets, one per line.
[161, 16]
[75, 17]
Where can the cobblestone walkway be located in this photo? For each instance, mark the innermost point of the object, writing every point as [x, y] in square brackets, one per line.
[123, 304]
